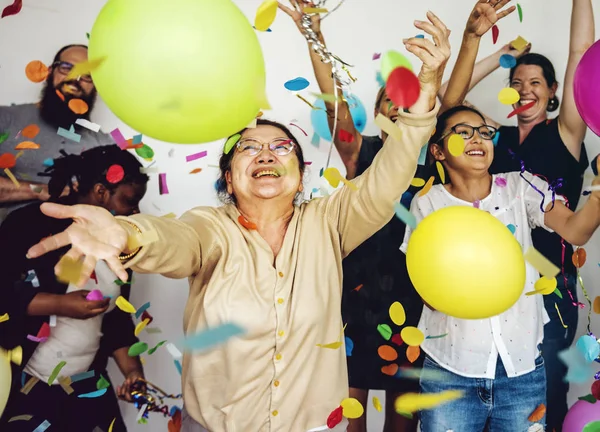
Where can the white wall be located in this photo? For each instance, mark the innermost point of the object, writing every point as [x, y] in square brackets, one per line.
[357, 30]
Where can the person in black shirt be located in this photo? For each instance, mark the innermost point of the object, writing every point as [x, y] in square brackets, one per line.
[549, 147]
[86, 332]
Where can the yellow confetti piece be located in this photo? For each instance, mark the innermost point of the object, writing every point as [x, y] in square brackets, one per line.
[417, 182]
[310, 10]
[333, 177]
[541, 263]
[389, 127]
[508, 96]
[397, 313]
[231, 141]
[456, 145]
[427, 187]
[265, 15]
[69, 270]
[545, 285]
[4, 317]
[142, 360]
[124, 305]
[377, 403]
[170, 216]
[141, 326]
[412, 336]
[352, 408]
[519, 44]
[560, 316]
[333, 345]
[84, 68]
[327, 97]
[29, 385]
[65, 383]
[441, 172]
[306, 102]
[11, 176]
[142, 239]
[413, 402]
[112, 423]
[24, 417]
[18, 155]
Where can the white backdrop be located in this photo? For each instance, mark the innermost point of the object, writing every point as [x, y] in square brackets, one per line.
[354, 32]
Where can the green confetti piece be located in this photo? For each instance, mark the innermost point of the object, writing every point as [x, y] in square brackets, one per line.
[407, 415]
[119, 282]
[88, 36]
[153, 350]
[3, 137]
[102, 383]
[56, 371]
[233, 140]
[405, 215]
[589, 398]
[558, 293]
[520, 11]
[325, 96]
[437, 337]
[143, 421]
[145, 152]
[137, 348]
[385, 331]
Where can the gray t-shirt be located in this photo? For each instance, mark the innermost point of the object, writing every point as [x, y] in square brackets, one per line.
[16, 117]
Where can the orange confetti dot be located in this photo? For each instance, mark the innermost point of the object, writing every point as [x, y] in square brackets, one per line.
[246, 223]
[78, 106]
[387, 353]
[597, 305]
[195, 170]
[390, 369]
[413, 353]
[427, 186]
[36, 71]
[60, 95]
[7, 160]
[30, 131]
[27, 145]
[538, 413]
[357, 289]
[579, 257]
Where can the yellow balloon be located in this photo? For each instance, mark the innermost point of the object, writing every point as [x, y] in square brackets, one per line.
[397, 313]
[182, 71]
[465, 263]
[412, 336]
[352, 408]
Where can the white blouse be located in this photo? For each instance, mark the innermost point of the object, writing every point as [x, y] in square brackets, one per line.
[471, 347]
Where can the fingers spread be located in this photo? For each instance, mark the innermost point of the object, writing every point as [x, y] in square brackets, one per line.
[49, 244]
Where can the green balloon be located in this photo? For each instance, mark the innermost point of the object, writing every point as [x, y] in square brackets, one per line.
[182, 71]
[592, 427]
[392, 60]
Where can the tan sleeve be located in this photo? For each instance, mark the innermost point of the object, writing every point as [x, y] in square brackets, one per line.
[177, 251]
[360, 214]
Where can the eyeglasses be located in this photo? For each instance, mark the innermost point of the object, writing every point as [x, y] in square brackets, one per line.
[466, 131]
[64, 68]
[278, 147]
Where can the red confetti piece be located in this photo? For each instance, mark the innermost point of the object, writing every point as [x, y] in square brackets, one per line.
[397, 339]
[115, 174]
[521, 109]
[345, 136]
[303, 131]
[357, 289]
[537, 414]
[7, 160]
[93, 276]
[147, 316]
[403, 87]
[60, 95]
[12, 9]
[246, 223]
[596, 389]
[335, 418]
[495, 33]
[44, 332]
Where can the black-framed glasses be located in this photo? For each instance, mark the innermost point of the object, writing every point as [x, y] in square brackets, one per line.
[252, 146]
[466, 131]
[64, 68]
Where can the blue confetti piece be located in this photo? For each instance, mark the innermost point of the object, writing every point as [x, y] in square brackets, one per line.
[137, 139]
[48, 162]
[588, 347]
[405, 215]
[321, 172]
[379, 79]
[507, 61]
[511, 228]
[268, 30]
[297, 84]
[178, 366]
[211, 337]
[579, 371]
[82, 376]
[69, 134]
[42, 427]
[349, 346]
[141, 310]
[22, 379]
[496, 138]
[406, 199]
[174, 410]
[420, 36]
[93, 394]
[316, 140]
[423, 156]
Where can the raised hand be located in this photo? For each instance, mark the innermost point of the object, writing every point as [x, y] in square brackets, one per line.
[508, 49]
[485, 14]
[75, 305]
[94, 234]
[297, 12]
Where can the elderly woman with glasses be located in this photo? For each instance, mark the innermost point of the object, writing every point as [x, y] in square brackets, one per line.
[269, 265]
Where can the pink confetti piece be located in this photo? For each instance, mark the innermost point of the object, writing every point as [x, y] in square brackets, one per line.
[376, 56]
[162, 184]
[500, 182]
[195, 156]
[119, 138]
[303, 131]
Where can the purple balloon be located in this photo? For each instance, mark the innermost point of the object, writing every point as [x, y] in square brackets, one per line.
[586, 87]
[580, 414]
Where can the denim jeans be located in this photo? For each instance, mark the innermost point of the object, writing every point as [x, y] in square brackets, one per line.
[556, 339]
[496, 405]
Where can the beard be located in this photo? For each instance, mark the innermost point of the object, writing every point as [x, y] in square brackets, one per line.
[55, 111]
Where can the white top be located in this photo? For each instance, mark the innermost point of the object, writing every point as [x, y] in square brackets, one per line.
[75, 341]
[472, 347]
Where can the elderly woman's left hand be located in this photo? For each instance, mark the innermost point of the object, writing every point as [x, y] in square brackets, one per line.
[434, 54]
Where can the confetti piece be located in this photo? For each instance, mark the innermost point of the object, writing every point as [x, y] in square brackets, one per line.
[578, 369]
[405, 215]
[56, 371]
[397, 339]
[3, 137]
[265, 15]
[246, 223]
[69, 270]
[30, 131]
[385, 331]
[88, 124]
[377, 404]
[112, 423]
[333, 176]
[519, 44]
[102, 383]
[403, 87]
[36, 71]
[376, 56]
[142, 309]
[297, 84]
[140, 326]
[397, 313]
[312, 10]
[175, 353]
[412, 336]
[349, 346]
[507, 61]
[521, 109]
[149, 170]
[137, 348]
[137, 139]
[413, 353]
[427, 187]
[508, 96]
[4, 317]
[392, 60]
[327, 97]
[212, 337]
[345, 136]
[115, 174]
[537, 414]
[29, 385]
[579, 257]
[352, 408]
[413, 402]
[119, 138]
[589, 347]
[541, 263]
[597, 305]
[65, 383]
[441, 172]
[456, 145]
[387, 353]
[82, 376]
[163, 189]
[69, 134]
[153, 350]
[7, 160]
[27, 145]
[24, 417]
[93, 394]
[335, 417]
[388, 126]
[390, 370]
[195, 156]
[417, 182]
[560, 316]
[43, 426]
[233, 140]
[85, 68]
[544, 286]
[495, 34]
[78, 106]
[333, 345]
[520, 12]
[596, 389]
[124, 305]
[357, 289]
[12, 178]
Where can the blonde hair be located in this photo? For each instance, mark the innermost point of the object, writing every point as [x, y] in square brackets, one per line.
[380, 95]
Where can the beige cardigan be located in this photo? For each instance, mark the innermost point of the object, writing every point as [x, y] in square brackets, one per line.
[275, 378]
